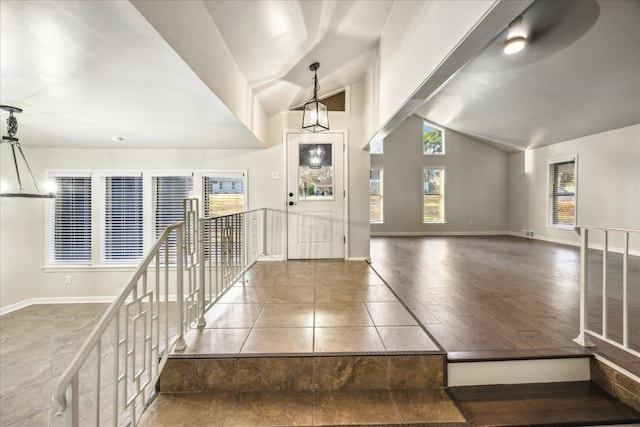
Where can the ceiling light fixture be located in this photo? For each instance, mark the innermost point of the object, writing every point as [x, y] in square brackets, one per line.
[514, 45]
[315, 117]
[516, 40]
[12, 130]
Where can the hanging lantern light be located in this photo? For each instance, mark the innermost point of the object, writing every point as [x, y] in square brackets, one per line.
[10, 138]
[315, 117]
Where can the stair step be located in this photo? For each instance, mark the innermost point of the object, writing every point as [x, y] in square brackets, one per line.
[431, 407]
[518, 371]
[303, 373]
[558, 404]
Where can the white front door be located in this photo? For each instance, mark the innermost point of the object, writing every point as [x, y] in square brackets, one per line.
[315, 195]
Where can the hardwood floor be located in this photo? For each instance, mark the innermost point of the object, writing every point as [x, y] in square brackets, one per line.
[497, 294]
[557, 404]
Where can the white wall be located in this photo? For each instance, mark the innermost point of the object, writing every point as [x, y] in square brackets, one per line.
[475, 184]
[608, 174]
[183, 25]
[418, 36]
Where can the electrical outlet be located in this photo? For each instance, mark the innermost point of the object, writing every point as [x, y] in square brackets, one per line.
[67, 279]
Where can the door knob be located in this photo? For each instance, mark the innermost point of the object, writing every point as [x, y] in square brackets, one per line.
[290, 194]
[291, 203]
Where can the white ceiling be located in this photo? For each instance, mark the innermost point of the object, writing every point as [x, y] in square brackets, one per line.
[274, 42]
[88, 71]
[85, 72]
[580, 75]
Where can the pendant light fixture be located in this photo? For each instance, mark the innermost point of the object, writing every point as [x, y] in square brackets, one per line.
[315, 117]
[12, 130]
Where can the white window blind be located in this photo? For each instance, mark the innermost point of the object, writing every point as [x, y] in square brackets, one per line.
[433, 195]
[169, 193]
[563, 193]
[224, 193]
[70, 221]
[123, 224]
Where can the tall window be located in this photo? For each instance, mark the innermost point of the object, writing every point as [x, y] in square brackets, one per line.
[376, 206]
[432, 139]
[224, 193]
[169, 193]
[433, 195]
[123, 218]
[562, 176]
[70, 235]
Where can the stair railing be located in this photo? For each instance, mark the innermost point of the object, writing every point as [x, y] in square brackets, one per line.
[596, 294]
[230, 245]
[115, 372]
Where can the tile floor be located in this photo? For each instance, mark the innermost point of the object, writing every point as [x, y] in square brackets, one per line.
[309, 307]
[292, 307]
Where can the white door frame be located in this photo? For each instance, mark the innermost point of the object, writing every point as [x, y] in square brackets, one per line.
[345, 180]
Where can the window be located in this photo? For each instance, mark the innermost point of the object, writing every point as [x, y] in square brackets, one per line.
[562, 176]
[224, 193]
[123, 218]
[376, 186]
[433, 199]
[70, 234]
[433, 139]
[376, 147]
[169, 193]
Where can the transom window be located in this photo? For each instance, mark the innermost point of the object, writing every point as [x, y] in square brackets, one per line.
[562, 194]
[432, 139]
[376, 147]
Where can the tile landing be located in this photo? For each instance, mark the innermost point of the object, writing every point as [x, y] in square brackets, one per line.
[306, 343]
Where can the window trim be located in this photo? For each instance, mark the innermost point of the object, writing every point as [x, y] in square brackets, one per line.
[224, 172]
[444, 143]
[550, 183]
[443, 192]
[381, 168]
[102, 177]
[49, 262]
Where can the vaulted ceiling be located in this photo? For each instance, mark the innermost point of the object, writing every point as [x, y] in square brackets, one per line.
[89, 73]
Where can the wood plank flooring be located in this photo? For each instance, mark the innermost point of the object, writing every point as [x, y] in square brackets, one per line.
[497, 294]
[557, 404]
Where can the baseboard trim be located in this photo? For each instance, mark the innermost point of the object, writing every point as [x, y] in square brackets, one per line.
[436, 233]
[270, 258]
[359, 258]
[56, 300]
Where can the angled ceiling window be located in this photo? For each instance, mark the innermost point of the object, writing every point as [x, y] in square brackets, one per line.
[335, 102]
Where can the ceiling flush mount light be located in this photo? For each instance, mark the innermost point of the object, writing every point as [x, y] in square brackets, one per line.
[12, 130]
[514, 45]
[516, 37]
[315, 117]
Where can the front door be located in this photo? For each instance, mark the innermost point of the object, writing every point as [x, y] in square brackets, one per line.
[315, 196]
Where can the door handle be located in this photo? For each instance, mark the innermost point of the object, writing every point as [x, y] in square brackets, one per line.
[291, 203]
[290, 194]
